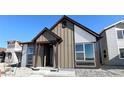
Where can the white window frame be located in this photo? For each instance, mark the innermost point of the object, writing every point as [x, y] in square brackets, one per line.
[84, 51]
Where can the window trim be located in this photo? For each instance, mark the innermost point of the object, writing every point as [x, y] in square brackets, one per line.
[84, 51]
[120, 53]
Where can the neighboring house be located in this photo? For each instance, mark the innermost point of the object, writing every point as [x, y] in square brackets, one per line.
[112, 44]
[2, 54]
[67, 44]
[13, 52]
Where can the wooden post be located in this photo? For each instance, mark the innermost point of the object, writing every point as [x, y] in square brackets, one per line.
[34, 56]
[39, 56]
[54, 55]
[44, 56]
[36, 53]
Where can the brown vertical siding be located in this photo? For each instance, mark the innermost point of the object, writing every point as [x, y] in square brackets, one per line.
[65, 48]
[62, 49]
[59, 46]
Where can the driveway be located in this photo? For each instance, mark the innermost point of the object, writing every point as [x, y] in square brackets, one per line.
[104, 71]
[96, 73]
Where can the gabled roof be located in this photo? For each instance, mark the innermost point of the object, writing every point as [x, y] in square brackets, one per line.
[50, 32]
[70, 20]
[112, 25]
[45, 29]
[77, 24]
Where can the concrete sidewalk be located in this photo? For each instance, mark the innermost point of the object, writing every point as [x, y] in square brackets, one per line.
[50, 72]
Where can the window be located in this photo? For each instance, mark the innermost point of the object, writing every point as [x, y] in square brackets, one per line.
[79, 52]
[79, 47]
[79, 56]
[30, 57]
[84, 52]
[30, 50]
[122, 53]
[120, 34]
[89, 55]
[30, 53]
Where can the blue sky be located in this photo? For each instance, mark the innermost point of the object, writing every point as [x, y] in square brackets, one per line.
[24, 28]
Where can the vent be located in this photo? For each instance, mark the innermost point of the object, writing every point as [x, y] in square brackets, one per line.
[64, 24]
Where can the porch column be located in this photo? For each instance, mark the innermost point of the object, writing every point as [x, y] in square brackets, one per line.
[34, 55]
[44, 60]
[39, 56]
[54, 51]
[55, 55]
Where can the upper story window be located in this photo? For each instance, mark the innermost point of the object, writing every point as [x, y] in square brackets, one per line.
[120, 34]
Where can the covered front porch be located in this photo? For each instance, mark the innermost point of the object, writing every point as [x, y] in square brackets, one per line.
[46, 49]
[46, 54]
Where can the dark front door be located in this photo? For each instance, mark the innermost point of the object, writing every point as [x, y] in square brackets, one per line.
[48, 55]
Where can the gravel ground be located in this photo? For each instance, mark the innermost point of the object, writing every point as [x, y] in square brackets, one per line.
[19, 72]
[96, 73]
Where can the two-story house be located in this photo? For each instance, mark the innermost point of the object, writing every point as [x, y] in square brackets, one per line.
[112, 44]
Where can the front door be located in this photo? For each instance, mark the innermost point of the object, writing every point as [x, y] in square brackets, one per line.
[48, 55]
